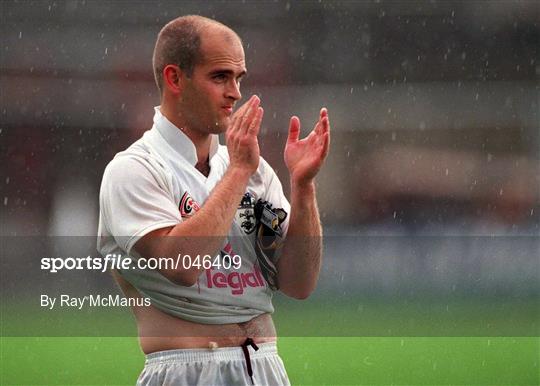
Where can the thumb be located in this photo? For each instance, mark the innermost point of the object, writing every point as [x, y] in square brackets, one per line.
[294, 129]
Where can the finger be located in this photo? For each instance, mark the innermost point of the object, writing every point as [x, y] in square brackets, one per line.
[250, 114]
[238, 114]
[294, 129]
[256, 123]
[242, 109]
[325, 146]
[317, 130]
[325, 125]
[234, 123]
[322, 114]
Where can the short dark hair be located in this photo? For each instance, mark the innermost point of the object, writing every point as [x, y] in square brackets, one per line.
[179, 43]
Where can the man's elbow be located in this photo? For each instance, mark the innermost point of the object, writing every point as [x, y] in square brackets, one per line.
[182, 278]
[301, 295]
[298, 293]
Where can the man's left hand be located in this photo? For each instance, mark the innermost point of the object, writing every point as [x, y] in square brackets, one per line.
[304, 157]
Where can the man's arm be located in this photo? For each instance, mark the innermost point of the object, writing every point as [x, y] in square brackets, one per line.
[300, 262]
[204, 232]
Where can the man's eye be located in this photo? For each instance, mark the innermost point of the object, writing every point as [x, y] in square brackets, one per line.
[220, 77]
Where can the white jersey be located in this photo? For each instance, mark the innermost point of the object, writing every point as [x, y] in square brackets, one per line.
[154, 184]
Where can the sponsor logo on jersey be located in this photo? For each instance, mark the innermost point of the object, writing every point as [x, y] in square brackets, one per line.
[236, 281]
[188, 206]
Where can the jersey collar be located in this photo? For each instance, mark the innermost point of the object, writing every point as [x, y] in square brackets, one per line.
[180, 142]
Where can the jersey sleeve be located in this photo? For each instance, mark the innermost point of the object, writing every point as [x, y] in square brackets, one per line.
[134, 201]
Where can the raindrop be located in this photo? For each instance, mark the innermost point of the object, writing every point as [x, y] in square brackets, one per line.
[446, 171]
[5, 201]
[20, 35]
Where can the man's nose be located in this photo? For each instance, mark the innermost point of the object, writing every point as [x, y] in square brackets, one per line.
[233, 91]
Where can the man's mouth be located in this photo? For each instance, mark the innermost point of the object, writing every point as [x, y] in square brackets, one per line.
[228, 109]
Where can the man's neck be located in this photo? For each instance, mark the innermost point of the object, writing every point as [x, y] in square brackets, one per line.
[201, 141]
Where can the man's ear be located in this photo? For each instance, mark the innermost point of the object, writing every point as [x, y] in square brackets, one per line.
[173, 78]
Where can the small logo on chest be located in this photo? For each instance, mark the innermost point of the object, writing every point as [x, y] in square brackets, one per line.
[188, 206]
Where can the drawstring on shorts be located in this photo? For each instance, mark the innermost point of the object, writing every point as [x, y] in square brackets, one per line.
[249, 342]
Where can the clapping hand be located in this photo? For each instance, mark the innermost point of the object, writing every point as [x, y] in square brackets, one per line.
[304, 157]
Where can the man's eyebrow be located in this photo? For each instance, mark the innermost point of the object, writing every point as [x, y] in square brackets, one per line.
[228, 72]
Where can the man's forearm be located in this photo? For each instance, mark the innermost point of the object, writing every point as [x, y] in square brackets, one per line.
[300, 262]
[202, 234]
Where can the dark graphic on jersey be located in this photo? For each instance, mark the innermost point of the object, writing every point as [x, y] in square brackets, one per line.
[245, 215]
[188, 206]
[269, 239]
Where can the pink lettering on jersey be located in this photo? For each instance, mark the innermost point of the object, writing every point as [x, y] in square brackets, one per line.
[236, 281]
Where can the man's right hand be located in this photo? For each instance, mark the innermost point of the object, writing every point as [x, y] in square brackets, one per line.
[241, 137]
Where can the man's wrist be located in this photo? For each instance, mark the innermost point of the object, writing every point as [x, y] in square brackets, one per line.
[239, 174]
[303, 187]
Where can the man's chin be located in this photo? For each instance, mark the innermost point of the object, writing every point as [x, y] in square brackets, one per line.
[219, 126]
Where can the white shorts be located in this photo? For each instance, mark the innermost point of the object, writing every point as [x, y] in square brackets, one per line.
[226, 366]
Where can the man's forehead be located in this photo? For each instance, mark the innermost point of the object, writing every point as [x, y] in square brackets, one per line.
[221, 45]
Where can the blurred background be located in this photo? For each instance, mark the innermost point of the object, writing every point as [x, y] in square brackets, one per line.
[433, 105]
